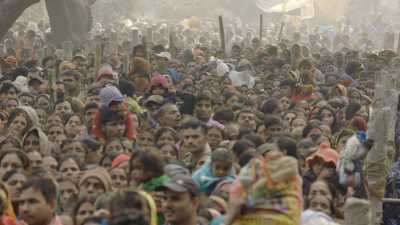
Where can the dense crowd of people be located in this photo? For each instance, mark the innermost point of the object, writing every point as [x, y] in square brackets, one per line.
[177, 131]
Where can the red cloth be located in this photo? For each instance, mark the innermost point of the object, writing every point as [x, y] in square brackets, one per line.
[5, 220]
[119, 159]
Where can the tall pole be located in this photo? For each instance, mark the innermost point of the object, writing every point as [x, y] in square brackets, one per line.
[222, 34]
[261, 26]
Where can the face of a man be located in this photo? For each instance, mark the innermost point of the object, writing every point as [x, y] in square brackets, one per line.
[33, 208]
[178, 207]
[194, 140]
[115, 129]
[247, 120]
[70, 83]
[171, 116]
[203, 110]
[92, 187]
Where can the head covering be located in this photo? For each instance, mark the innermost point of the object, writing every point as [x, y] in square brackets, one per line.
[43, 140]
[105, 70]
[165, 55]
[172, 170]
[325, 153]
[110, 94]
[181, 184]
[119, 160]
[154, 98]
[159, 80]
[11, 60]
[66, 65]
[99, 173]
[21, 83]
[31, 114]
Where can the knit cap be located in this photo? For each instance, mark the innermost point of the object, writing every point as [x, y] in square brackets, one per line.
[110, 94]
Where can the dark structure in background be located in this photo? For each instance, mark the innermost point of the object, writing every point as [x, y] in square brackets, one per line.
[70, 20]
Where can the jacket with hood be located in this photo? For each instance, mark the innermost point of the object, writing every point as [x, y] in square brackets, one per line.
[206, 180]
[43, 140]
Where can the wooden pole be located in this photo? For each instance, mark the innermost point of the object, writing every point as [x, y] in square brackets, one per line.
[97, 57]
[281, 31]
[261, 26]
[398, 44]
[222, 35]
[172, 47]
[52, 87]
[144, 43]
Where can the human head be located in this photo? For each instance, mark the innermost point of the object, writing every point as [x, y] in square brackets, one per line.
[38, 201]
[145, 165]
[215, 136]
[166, 135]
[169, 115]
[84, 208]
[95, 182]
[181, 200]
[13, 159]
[221, 162]
[247, 119]
[194, 136]
[203, 108]
[112, 123]
[21, 120]
[71, 80]
[15, 179]
[8, 90]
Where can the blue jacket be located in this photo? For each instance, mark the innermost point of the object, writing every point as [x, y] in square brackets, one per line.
[205, 179]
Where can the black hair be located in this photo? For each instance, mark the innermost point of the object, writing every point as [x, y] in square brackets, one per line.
[91, 105]
[129, 207]
[108, 115]
[46, 186]
[311, 125]
[246, 157]
[163, 130]
[288, 145]
[270, 105]
[255, 138]
[71, 73]
[203, 97]
[7, 86]
[152, 162]
[194, 124]
[126, 87]
[224, 115]
[78, 204]
[93, 219]
[221, 154]
[271, 121]
[242, 146]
